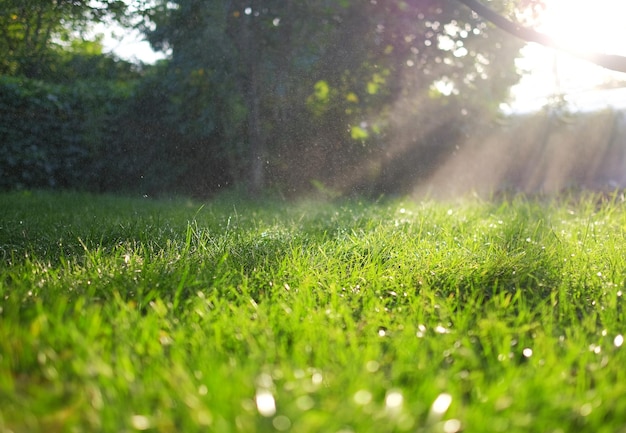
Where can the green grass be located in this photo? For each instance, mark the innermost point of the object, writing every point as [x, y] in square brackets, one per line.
[172, 316]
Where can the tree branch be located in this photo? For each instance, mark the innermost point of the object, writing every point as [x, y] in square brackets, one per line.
[608, 61]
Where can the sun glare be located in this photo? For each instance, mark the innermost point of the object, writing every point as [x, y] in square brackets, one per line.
[581, 25]
[589, 26]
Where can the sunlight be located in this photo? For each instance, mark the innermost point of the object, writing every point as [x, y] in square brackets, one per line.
[578, 24]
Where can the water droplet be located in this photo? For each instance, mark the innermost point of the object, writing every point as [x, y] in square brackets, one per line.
[362, 397]
[618, 340]
[264, 381]
[305, 403]
[140, 422]
[165, 339]
[585, 409]
[452, 426]
[265, 403]
[372, 366]
[441, 330]
[441, 404]
[421, 331]
[317, 378]
[393, 400]
[281, 423]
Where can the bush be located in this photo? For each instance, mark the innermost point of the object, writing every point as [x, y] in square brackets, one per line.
[101, 136]
[50, 133]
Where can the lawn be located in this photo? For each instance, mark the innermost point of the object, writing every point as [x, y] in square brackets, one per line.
[120, 315]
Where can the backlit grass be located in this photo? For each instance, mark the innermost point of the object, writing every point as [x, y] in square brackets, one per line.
[173, 316]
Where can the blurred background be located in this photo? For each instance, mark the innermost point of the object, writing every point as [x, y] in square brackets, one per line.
[325, 97]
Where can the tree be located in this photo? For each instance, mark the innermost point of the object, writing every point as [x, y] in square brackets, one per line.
[30, 29]
[280, 85]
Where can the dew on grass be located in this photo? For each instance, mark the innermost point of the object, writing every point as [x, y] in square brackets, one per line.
[440, 405]
[393, 400]
[264, 380]
[503, 403]
[317, 378]
[265, 403]
[372, 366]
[362, 397]
[451, 426]
[165, 339]
[281, 423]
[140, 422]
[618, 340]
[305, 403]
[439, 329]
[421, 331]
[585, 409]
[595, 348]
[277, 374]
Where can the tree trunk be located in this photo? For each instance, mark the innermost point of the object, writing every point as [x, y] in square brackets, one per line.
[256, 141]
[252, 86]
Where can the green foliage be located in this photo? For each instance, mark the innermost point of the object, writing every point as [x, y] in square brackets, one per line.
[31, 29]
[89, 132]
[122, 314]
[161, 151]
[314, 88]
[67, 136]
[40, 132]
[274, 95]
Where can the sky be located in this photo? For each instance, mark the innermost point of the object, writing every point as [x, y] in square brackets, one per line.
[596, 26]
[131, 46]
